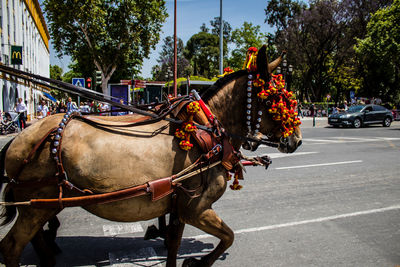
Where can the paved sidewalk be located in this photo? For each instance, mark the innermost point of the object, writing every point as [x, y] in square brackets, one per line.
[307, 122]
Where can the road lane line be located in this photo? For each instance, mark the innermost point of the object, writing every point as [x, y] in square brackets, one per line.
[344, 140]
[318, 165]
[316, 220]
[283, 155]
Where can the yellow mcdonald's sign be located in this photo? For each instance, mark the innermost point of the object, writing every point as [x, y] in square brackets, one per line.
[16, 55]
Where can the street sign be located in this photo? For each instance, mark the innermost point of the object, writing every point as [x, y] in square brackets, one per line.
[78, 82]
[140, 84]
[125, 82]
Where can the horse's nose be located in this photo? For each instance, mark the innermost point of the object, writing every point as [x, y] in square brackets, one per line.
[299, 143]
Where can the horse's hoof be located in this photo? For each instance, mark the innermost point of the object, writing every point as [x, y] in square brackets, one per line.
[48, 262]
[152, 232]
[191, 262]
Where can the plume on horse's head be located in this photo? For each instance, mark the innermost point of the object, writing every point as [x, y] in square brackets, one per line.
[264, 68]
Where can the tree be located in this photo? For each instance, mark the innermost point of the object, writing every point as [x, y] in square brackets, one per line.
[202, 49]
[112, 32]
[320, 40]
[244, 37]
[380, 53]
[279, 13]
[215, 24]
[56, 73]
[166, 60]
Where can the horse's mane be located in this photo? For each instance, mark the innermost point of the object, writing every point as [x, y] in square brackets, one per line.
[213, 89]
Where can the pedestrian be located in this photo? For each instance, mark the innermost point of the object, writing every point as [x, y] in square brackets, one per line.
[299, 112]
[71, 106]
[121, 113]
[312, 110]
[21, 109]
[343, 107]
[44, 109]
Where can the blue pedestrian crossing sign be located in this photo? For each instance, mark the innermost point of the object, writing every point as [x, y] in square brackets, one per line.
[78, 82]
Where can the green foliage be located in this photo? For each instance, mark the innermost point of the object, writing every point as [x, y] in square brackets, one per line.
[215, 24]
[379, 52]
[246, 36]
[164, 69]
[56, 72]
[279, 13]
[202, 49]
[111, 32]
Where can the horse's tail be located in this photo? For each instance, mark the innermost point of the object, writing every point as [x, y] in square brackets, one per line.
[9, 212]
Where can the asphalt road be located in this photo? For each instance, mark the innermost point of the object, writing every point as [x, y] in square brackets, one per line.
[334, 202]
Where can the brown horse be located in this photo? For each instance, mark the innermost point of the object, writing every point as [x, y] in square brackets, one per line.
[106, 159]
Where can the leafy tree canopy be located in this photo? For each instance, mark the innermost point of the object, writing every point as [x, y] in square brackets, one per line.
[164, 69]
[244, 37]
[380, 53]
[202, 49]
[110, 31]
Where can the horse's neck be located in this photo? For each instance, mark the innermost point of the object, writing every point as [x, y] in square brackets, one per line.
[229, 106]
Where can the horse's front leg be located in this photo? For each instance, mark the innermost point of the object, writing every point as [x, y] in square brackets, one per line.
[209, 222]
[51, 234]
[173, 238]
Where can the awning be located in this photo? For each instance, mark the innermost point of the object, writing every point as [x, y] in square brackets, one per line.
[49, 96]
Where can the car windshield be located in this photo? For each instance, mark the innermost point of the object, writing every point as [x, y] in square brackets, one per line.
[353, 109]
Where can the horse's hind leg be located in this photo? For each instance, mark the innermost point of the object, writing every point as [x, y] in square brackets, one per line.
[209, 222]
[152, 232]
[28, 223]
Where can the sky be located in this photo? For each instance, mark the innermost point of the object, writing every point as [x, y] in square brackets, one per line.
[191, 14]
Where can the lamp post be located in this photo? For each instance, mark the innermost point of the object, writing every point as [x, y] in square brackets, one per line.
[168, 74]
[286, 72]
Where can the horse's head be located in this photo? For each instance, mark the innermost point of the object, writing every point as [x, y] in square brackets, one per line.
[275, 109]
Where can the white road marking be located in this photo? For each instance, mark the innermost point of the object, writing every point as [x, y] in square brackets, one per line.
[318, 165]
[118, 229]
[343, 140]
[283, 155]
[142, 257]
[317, 220]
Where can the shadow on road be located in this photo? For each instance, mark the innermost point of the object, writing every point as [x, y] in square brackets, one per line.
[104, 251]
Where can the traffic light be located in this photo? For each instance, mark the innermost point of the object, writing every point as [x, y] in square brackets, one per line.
[98, 78]
[89, 83]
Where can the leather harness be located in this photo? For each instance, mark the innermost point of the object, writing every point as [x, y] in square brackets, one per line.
[210, 143]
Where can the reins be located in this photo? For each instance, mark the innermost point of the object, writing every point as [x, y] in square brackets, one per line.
[157, 188]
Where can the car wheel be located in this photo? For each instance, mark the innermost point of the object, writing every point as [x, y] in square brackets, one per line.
[357, 123]
[387, 122]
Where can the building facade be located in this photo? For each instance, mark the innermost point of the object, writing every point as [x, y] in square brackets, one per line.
[25, 46]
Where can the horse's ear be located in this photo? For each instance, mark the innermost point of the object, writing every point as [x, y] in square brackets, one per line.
[274, 64]
[262, 63]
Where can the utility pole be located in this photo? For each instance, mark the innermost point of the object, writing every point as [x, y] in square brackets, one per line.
[175, 55]
[221, 41]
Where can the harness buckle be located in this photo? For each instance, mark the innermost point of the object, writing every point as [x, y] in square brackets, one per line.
[216, 149]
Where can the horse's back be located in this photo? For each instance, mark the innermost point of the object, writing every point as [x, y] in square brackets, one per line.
[103, 159]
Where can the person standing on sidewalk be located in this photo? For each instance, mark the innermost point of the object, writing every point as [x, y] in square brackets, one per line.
[21, 109]
[71, 106]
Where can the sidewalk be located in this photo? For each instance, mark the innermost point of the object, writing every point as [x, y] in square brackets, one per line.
[307, 122]
[28, 123]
